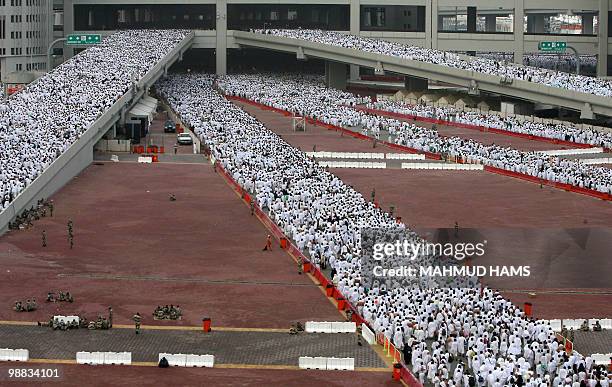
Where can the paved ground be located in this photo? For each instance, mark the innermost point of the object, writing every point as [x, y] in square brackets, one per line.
[135, 249]
[314, 136]
[593, 342]
[76, 375]
[261, 348]
[516, 218]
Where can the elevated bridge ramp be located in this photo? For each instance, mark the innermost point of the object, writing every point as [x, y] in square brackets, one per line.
[531, 91]
[79, 155]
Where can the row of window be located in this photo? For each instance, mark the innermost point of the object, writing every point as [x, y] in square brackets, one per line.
[18, 3]
[39, 66]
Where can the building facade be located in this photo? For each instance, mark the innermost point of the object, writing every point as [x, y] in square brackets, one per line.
[514, 27]
[25, 33]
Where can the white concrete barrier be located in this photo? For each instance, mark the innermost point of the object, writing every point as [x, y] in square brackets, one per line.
[443, 166]
[573, 323]
[573, 151]
[93, 358]
[200, 361]
[367, 334]
[606, 323]
[334, 363]
[7, 354]
[188, 360]
[330, 327]
[603, 160]
[555, 325]
[602, 359]
[145, 160]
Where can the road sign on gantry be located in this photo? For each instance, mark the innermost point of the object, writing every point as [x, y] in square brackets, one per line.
[552, 46]
[77, 39]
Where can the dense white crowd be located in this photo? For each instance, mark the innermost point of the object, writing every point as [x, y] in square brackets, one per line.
[560, 62]
[566, 131]
[494, 341]
[597, 86]
[309, 97]
[39, 123]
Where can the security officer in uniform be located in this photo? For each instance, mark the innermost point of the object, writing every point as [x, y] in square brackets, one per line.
[137, 319]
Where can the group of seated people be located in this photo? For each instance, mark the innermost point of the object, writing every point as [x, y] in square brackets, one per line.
[566, 131]
[28, 216]
[27, 306]
[308, 96]
[579, 83]
[167, 312]
[40, 123]
[439, 326]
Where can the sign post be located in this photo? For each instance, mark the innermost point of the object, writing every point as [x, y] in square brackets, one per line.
[85, 39]
[552, 46]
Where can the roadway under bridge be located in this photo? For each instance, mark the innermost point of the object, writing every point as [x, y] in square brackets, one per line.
[80, 154]
[587, 104]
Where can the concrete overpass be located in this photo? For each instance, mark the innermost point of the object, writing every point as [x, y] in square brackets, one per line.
[587, 104]
[80, 154]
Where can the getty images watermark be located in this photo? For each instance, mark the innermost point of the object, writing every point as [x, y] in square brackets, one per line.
[395, 257]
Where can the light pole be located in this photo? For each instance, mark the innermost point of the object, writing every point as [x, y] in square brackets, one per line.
[49, 52]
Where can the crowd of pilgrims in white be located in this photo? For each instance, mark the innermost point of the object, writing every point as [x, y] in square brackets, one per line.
[560, 62]
[496, 344]
[308, 96]
[565, 131]
[584, 84]
[41, 122]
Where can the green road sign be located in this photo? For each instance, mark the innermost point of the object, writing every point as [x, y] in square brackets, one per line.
[84, 39]
[552, 46]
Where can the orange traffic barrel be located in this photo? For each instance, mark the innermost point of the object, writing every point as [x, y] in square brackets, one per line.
[206, 324]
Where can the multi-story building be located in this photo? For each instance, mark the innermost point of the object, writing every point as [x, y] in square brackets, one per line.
[510, 26]
[25, 33]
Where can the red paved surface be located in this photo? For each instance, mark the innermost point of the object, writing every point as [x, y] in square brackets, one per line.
[158, 137]
[79, 375]
[324, 139]
[125, 225]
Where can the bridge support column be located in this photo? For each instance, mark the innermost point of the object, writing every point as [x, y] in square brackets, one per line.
[519, 34]
[602, 39]
[221, 30]
[68, 27]
[335, 75]
[355, 21]
[415, 84]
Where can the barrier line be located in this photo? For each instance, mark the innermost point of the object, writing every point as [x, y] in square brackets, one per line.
[25, 323]
[166, 327]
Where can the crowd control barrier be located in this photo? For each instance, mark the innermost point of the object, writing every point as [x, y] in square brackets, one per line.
[330, 327]
[98, 358]
[188, 360]
[326, 363]
[444, 166]
[67, 319]
[7, 354]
